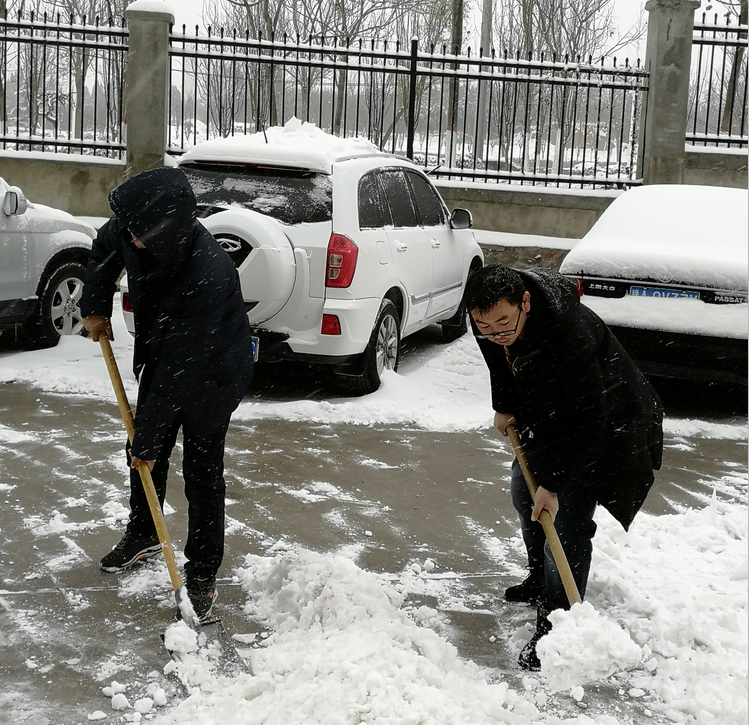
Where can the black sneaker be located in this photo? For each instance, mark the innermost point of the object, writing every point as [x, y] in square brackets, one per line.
[129, 552]
[529, 590]
[528, 658]
[202, 593]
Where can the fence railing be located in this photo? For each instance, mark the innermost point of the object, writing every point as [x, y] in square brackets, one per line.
[717, 113]
[510, 118]
[61, 86]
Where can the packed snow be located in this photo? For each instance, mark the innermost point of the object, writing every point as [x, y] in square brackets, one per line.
[664, 622]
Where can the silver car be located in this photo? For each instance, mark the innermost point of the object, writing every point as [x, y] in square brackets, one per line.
[44, 252]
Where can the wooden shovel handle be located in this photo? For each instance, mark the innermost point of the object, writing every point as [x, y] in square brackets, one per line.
[563, 567]
[145, 473]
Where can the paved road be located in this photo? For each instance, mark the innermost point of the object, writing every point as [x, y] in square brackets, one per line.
[396, 496]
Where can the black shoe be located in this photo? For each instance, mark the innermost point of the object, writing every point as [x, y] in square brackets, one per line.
[529, 590]
[528, 658]
[130, 551]
[203, 594]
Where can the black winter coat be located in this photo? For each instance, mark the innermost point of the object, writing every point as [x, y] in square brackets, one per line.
[191, 331]
[589, 417]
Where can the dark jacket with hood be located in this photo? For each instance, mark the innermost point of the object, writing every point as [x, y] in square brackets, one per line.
[192, 336]
[587, 415]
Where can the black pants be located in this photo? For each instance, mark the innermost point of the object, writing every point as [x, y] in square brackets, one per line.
[574, 525]
[205, 491]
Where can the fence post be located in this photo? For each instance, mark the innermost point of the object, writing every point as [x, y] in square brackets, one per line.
[412, 101]
[146, 85]
[668, 57]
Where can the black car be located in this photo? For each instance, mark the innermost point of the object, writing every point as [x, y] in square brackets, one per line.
[666, 268]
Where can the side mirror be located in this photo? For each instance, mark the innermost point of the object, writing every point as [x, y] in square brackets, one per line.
[14, 203]
[461, 219]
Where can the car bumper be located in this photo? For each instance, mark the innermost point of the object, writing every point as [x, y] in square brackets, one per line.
[699, 358]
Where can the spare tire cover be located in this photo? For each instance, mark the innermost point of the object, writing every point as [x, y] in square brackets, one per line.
[267, 274]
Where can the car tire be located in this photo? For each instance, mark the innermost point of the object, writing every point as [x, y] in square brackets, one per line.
[58, 311]
[382, 353]
[456, 326]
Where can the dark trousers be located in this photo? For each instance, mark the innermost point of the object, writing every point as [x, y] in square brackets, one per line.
[576, 528]
[205, 491]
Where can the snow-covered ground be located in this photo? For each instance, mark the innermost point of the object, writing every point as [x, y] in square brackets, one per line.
[665, 622]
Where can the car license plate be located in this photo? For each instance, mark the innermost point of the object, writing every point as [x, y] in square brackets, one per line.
[637, 291]
[255, 347]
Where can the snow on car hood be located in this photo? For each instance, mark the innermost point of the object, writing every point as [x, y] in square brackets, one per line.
[296, 144]
[688, 234]
[48, 220]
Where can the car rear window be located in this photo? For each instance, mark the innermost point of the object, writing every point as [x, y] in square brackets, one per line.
[293, 196]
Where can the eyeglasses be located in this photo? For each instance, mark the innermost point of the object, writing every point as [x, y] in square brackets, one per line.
[503, 333]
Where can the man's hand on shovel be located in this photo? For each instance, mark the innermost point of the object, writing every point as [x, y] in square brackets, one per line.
[95, 325]
[543, 499]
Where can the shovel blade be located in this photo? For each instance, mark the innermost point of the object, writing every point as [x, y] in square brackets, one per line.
[215, 653]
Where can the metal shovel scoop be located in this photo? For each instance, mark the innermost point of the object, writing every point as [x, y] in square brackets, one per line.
[212, 639]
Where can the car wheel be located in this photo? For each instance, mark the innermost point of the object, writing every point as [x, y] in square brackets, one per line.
[58, 311]
[382, 353]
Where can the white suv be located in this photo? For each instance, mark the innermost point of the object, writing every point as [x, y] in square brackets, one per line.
[44, 252]
[342, 250]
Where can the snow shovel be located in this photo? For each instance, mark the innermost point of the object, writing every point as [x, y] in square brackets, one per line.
[211, 634]
[544, 518]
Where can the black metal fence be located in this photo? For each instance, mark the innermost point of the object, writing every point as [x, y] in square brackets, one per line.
[502, 117]
[61, 86]
[718, 94]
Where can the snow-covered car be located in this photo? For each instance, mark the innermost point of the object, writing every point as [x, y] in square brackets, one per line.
[44, 252]
[666, 268]
[342, 250]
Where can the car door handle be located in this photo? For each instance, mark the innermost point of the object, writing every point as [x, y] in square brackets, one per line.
[401, 247]
[435, 244]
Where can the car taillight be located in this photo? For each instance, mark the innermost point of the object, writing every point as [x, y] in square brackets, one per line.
[127, 306]
[342, 256]
[331, 325]
[578, 282]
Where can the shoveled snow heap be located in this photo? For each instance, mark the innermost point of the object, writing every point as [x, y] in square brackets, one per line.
[568, 660]
[340, 648]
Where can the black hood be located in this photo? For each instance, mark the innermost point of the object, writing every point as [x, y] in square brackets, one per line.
[159, 208]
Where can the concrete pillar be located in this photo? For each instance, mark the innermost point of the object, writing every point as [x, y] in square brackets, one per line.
[668, 56]
[146, 85]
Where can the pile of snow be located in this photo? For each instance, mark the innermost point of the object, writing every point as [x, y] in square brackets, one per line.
[667, 618]
[342, 650]
[298, 144]
[568, 660]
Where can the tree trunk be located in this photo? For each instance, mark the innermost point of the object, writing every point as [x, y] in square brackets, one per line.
[725, 124]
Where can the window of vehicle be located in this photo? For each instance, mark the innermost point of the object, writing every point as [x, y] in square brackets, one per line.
[428, 204]
[371, 212]
[293, 196]
[398, 198]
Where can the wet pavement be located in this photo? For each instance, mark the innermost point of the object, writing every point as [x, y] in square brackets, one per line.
[390, 496]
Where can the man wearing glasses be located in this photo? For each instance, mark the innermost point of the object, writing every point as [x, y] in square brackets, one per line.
[589, 422]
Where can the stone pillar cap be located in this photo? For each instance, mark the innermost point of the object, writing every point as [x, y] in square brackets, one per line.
[651, 5]
[157, 7]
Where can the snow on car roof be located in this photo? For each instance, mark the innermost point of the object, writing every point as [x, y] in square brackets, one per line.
[670, 233]
[296, 144]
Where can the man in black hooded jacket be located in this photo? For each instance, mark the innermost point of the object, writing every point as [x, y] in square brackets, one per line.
[589, 422]
[192, 358]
